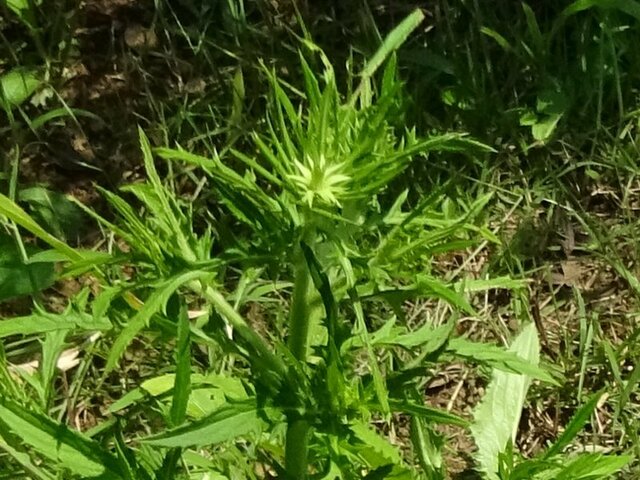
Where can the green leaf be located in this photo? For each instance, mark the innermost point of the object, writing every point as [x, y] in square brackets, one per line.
[498, 358]
[21, 7]
[17, 277]
[17, 5]
[43, 322]
[64, 447]
[231, 421]
[528, 118]
[155, 303]
[427, 338]
[430, 414]
[381, 446]
[593, 466]
[182, 387]
[544, 128]
[393, 41]
[428, 285]
[52, 347]
[578, 421]
[208, 393]
[13, 212]
[16, 86]
[54, 210]
[497, 416]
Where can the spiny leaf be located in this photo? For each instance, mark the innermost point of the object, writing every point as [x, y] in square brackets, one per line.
[231, 421]
[498, 358]
[155, 303]
[429, 414]
[42, 322]
[374, 441]
[67, 448]
[378, 381]
[593, 466]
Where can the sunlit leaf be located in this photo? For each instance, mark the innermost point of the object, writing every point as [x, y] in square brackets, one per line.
[229, 422]
[154, 304]
[65, 447]
[16, 86]
[497, 416]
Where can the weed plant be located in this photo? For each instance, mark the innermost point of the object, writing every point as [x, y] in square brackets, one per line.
[312, 224]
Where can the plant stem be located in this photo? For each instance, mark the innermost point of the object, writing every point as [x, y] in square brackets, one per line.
[296, 449]
[300, 309]
[298, 430]
[244, 330]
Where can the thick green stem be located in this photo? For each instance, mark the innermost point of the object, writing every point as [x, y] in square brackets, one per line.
[296, 449]
[300, 308]
[298, 429]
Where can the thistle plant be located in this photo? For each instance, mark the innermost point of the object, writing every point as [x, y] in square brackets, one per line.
[322, 241]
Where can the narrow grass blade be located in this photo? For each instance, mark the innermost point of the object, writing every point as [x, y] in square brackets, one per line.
[500, 40]
[630, 7]
[41, 120]
[393, 41]
[181, 385]
[579, 419]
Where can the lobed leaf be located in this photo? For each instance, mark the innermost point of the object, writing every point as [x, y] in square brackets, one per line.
[154, 304]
